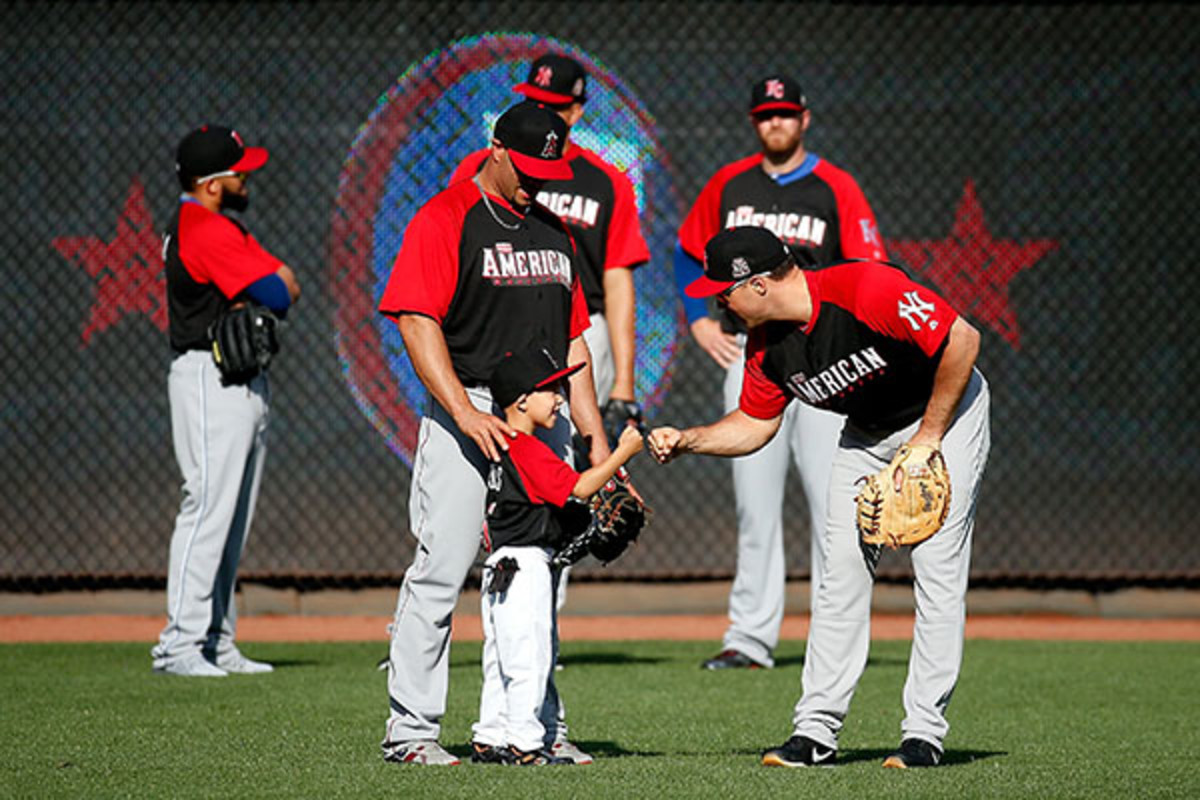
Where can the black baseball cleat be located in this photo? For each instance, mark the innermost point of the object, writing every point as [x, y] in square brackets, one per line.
[800, 751]
[731, 659]
[488, 754]
[914, 753]
[533, 758]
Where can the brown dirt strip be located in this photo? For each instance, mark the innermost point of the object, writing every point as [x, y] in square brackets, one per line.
[271, 628]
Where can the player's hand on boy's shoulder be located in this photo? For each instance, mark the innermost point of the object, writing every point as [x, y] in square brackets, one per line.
[491, 433]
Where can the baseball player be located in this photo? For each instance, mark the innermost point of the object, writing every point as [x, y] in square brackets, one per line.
[897, 363]
[483, 270]
[820, 212]
[597, 204]
[527, 491]
[219, 431]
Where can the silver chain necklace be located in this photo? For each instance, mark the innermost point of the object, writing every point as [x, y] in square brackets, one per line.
[508, 226]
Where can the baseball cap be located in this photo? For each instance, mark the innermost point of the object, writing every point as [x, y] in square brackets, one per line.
[776, 93]
[535, 137]
[555, 79]
[213, 149]
[734, 255]
[525, 371]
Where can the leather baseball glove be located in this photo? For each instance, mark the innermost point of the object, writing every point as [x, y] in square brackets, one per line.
[618, 517]
[906, 502]
[243, 341]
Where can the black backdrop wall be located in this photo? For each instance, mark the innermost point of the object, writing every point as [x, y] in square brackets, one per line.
[1034, 164]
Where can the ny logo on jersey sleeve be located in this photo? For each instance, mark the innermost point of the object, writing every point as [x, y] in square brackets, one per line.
[916, 312]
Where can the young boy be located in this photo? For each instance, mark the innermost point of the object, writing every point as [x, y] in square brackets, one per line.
[526, 492]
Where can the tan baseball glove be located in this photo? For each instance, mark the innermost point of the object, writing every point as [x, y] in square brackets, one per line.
[906, 502]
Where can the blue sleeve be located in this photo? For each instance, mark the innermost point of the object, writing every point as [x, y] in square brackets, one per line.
[687, 269]
[271, 291]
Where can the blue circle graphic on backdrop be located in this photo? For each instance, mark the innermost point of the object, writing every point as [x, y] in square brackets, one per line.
[438, 112]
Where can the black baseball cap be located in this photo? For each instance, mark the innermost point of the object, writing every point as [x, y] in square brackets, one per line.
[535, 137]
[215, 149]
[526, 371]
[555, 79]
[734, 255]
[776, 93]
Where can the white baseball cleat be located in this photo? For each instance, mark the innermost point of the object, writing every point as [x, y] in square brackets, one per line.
[421, 751]
[192, 665]
[570, 752]
[235, 662]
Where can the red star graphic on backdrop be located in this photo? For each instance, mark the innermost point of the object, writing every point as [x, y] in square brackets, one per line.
[128, 270]
[972, 269]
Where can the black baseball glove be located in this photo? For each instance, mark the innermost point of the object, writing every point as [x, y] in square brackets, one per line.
[243, 341]
[618, 517]
[617, 414]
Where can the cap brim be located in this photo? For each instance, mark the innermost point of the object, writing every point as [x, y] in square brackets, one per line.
[780, 106]
[558, 376]
[252, 159]
[543, 169]
[543, 96]
[705, 287]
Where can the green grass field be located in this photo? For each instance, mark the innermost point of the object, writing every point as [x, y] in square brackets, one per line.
[1030, 720]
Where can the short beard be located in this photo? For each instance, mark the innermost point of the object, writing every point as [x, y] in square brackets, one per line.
[231, 201]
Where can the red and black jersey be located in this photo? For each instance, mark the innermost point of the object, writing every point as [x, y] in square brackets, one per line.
[209, 258]
[525, 490]
[598, 206]
[493, 283]
[870, 350]
[817, 206]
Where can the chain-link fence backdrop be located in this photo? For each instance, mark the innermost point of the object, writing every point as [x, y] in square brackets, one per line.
[1034, 164]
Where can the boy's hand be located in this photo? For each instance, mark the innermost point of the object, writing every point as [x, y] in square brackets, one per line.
[630, 441]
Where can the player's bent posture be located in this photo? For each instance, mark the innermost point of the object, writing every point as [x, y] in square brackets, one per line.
[527, 492]
[483, 270]
[219, 430]
[898, 363]
[820, 212]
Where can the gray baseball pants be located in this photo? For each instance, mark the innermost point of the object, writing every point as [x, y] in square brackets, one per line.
[840, 634]
[220, 439]
[808, 438]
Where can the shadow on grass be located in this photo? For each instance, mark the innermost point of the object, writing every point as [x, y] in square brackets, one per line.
[608, 658]
[952, 757]
[597, 749]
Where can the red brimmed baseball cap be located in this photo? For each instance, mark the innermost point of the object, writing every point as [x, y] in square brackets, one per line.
[534, 136]
[526, 371]
[216, 149]
[555, 79]
[776, 93]
[734, 255]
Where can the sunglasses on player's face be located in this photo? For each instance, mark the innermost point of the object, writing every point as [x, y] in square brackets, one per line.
[724, 295]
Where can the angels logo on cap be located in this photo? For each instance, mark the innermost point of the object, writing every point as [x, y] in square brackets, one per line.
[551, 148]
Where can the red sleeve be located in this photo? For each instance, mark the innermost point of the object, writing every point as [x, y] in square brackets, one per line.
[888, 302]
[580, 319]
[425, 274]
[860, 233]
[761, 398]
[215, 250]
[468, 167]
[547, 478]
[626, 247]
[704, 220]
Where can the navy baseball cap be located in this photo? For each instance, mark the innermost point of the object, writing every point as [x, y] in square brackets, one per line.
[534, 136]
[776, 93]
[526, 371]
[734, 255]
[555, 79]
[214, 150]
